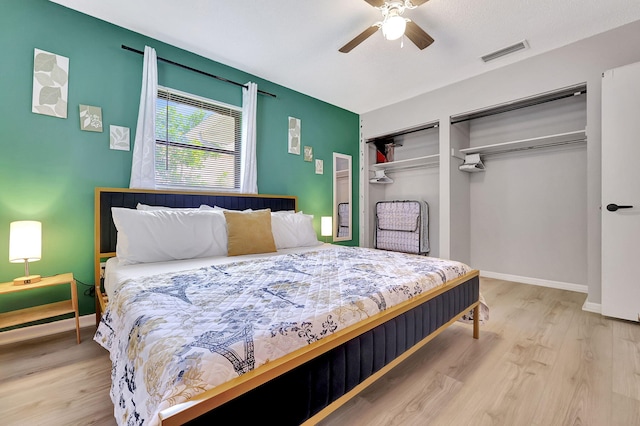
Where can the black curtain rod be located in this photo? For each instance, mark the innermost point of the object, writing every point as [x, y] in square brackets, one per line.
[196, 70]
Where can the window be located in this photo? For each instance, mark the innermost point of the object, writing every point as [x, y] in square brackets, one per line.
[197, 142]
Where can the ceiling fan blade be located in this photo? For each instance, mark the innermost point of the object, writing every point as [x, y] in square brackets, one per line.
[359, 39]
[417, 35]
[418, 2]
[378, 3]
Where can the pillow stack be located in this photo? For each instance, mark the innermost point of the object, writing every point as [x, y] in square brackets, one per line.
[157, 234]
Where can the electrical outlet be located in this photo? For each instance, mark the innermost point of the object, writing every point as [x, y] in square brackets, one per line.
[102, 266]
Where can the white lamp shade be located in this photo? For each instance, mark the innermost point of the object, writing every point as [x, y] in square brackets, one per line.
[326, 226]
[393, 27]
[25, 241]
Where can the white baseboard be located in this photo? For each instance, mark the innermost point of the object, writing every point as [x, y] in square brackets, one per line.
[35, 331]
[596, 308]
[579, 288]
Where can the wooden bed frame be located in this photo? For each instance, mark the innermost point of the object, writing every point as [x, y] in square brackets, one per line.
[443, 305]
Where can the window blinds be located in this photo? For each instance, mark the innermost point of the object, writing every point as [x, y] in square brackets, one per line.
[197, 142]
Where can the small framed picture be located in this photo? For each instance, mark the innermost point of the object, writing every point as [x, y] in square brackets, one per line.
[308, 153]
[319, 167]
[119, 138]
[90, 118]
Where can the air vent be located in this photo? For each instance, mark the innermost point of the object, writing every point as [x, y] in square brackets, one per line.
[506, 51]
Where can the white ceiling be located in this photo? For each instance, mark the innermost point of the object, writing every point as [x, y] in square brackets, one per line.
[295, 42]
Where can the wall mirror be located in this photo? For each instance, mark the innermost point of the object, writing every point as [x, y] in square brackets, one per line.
[342, 202]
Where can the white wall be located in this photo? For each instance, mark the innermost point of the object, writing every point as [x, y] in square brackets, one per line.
[528, 210]
[528, 215]
[583, 61]
[458, 200]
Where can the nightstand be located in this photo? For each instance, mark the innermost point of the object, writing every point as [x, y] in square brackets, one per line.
[23, 316]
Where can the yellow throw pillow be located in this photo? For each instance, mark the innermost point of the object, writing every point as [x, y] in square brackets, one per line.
[249, 232]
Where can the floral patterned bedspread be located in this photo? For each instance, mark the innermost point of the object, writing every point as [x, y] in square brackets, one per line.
[173, 336]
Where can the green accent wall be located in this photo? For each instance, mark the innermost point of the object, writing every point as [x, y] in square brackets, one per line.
[49, 167]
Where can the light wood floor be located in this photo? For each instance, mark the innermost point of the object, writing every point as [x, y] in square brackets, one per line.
[540, 360]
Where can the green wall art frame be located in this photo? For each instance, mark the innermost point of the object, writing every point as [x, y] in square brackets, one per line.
[90, 118]
[50, 84]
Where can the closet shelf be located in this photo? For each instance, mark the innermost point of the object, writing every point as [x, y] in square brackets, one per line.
[427, 160]
[550, 140]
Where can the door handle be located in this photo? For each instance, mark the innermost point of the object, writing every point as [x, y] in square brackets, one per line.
[614, 207]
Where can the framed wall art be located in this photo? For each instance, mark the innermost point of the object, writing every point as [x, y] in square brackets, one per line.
[308, 153]
[50, 84]
[90, 118]
[294, 135]
[119, 138]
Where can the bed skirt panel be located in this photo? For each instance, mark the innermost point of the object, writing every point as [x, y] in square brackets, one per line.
[299, 394]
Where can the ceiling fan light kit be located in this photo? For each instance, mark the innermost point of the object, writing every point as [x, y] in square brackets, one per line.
[393, 24]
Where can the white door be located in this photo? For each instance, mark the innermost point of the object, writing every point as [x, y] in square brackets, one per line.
[621, 192]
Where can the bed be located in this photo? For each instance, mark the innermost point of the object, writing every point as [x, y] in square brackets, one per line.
[299, 357]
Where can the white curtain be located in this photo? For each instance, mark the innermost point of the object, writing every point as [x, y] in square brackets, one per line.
[249, 168]
[143, 169]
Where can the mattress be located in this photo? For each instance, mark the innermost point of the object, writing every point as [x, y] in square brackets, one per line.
[116, 273]
[173, 335]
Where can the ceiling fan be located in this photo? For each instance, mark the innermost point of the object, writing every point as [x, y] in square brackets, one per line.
[393, 25]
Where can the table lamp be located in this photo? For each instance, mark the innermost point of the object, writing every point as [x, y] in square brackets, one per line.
[25, 245]
[326, 227]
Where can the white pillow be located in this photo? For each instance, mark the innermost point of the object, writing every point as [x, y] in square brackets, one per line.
[293, 230]
[147, 207]
[220, 209]
[162, 235]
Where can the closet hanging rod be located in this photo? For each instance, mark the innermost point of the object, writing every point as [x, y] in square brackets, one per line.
[526, 148]
[131, 49]
[403, 132]
[555, 95]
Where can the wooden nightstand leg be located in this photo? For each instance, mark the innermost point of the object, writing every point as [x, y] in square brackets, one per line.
[74, 302]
